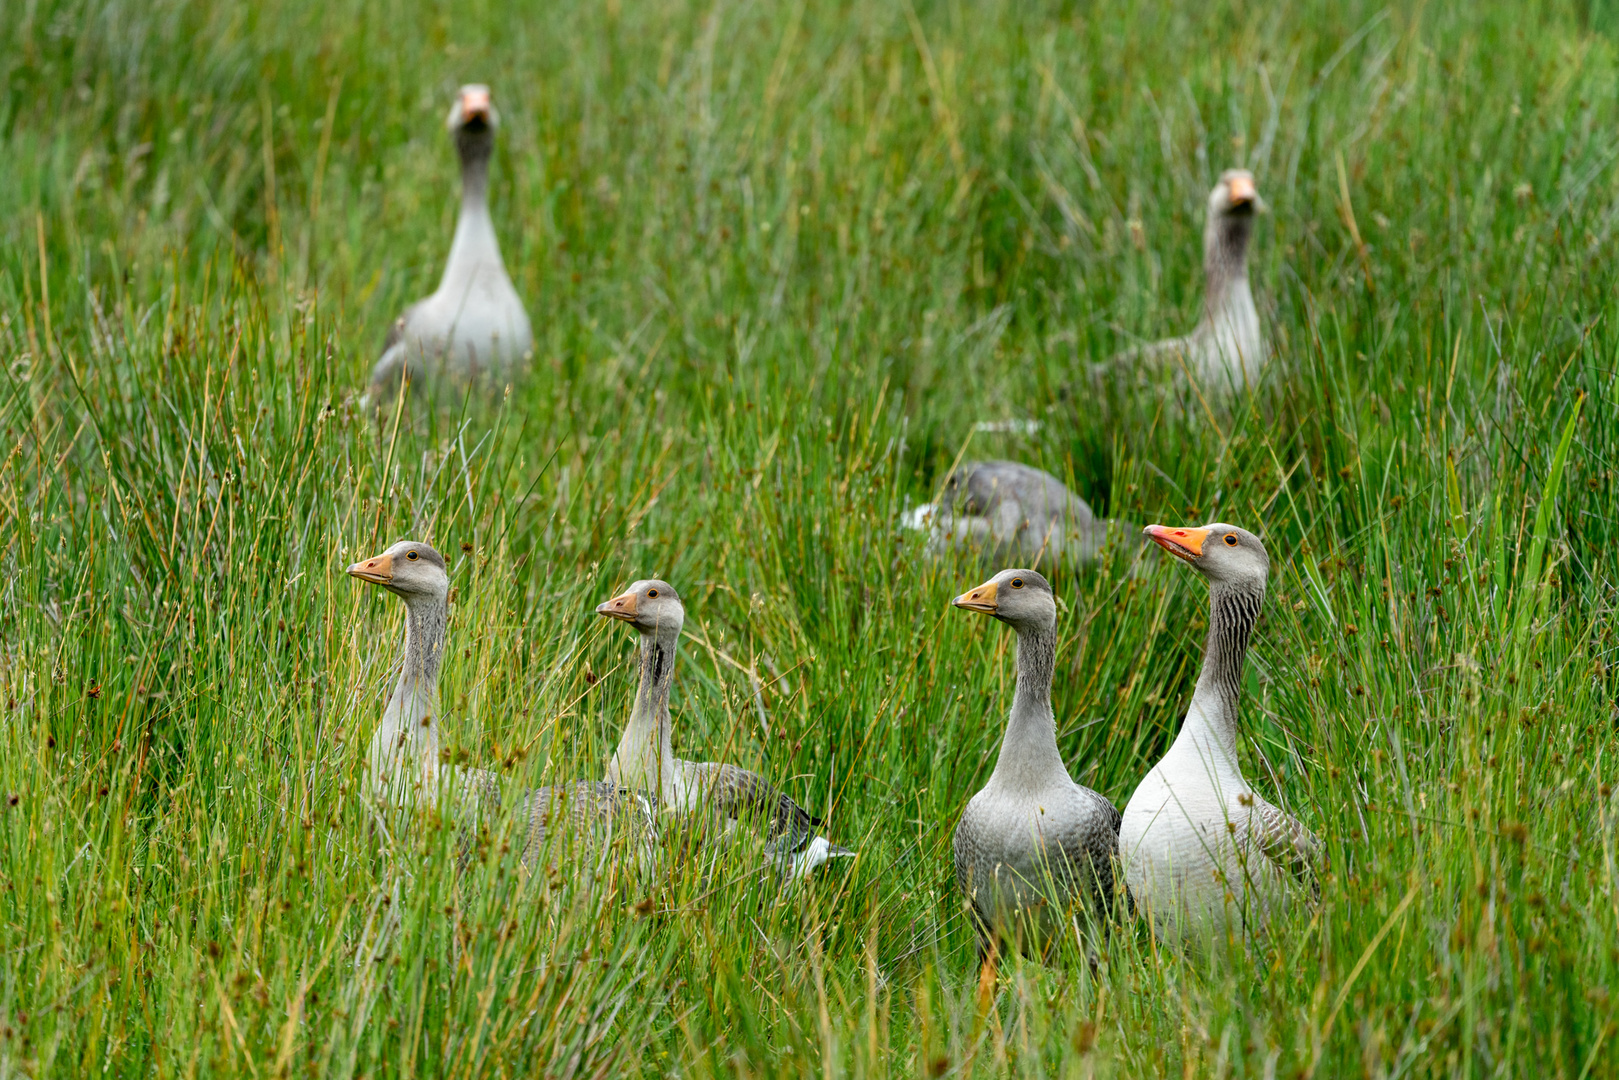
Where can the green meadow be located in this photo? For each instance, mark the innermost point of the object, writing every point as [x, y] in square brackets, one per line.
[780, 260]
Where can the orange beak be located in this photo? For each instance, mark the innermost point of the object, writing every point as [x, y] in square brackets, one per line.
[379, 570]
[1182, 543]
[475, 105]
[1243, 190]
[621, 606]
[979, 599]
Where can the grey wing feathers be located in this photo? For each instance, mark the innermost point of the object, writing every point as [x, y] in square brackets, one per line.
[591, 813]
[984, 488]
[1016, 511]
[738, 793]
[1284, 840]
[477, 802]
[1095, 845]
[479, 789]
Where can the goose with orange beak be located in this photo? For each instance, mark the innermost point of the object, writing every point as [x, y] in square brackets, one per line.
[1205, 857]
[404, 769]
[474, 326]
[1033, 850]
[645, 761]
[1226, 351]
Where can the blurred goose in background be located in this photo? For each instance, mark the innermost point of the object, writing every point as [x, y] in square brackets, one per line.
[474, 325]
[1204, 855]
[645, 761]
[403, 767]
[1010, 512]
[1226, 350]
[1034, 850]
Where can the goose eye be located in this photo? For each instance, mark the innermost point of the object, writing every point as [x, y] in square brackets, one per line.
[1017, 583]
[412, 556]
[652, 594]
[1231, 539]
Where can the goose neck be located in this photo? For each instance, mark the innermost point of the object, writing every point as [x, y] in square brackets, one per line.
[1233, 612]
[1225, 257]
[1029, 755]
[404, 748]
[426, 620]
[645, 754]
[475, 243]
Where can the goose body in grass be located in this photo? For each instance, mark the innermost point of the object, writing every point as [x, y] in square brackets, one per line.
[1226, 351]
[1034, 851]
[473, 327]
[1206, 858]
[644, 758]
[403, 766]
[1011, 512]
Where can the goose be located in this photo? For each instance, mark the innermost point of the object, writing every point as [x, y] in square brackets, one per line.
[1033, 848]
[1204, 855]
[1226, 350]
[403, 766]
[1010, 511]
[644, 759]
[474, 324]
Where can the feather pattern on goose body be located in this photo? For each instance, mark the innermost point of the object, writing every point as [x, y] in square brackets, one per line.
[1205, 856]
[1034, 851]
[644, 759]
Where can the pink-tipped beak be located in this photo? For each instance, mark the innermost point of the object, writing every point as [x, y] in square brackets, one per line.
[475, 105]
[1243, 190]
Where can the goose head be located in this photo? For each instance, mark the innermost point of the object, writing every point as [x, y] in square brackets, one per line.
[473, 120]
[1020, 598]
[649, 605]
[1232, 206]
[1235, 195]
[1225, 554]
[410, 569]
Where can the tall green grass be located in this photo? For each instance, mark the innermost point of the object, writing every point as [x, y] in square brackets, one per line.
[780, 259]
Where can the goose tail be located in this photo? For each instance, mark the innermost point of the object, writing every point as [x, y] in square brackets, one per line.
[801, 863]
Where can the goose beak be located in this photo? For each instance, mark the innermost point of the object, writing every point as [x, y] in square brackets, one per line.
[619, 607]
[379, 570]
[475, 105]
[1243, 191]
[979, 599]
[1182, 543]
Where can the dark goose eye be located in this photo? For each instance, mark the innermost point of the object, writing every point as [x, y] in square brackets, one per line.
[652, 594]
[1231, 539]
[412, 556]
[1017, 583]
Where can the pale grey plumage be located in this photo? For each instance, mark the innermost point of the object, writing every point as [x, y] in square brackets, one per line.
[644, 759]
[474, 325]
[1205, 856]
[1226, 351]
[404, 768]
[1011, 512]
[1034, 850]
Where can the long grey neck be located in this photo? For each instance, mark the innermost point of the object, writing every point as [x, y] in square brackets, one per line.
[1225, 258]
[1029, 757]
[475, 247]
[426, 618]
[645, 757]
[403, 761]
[1233, 611]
